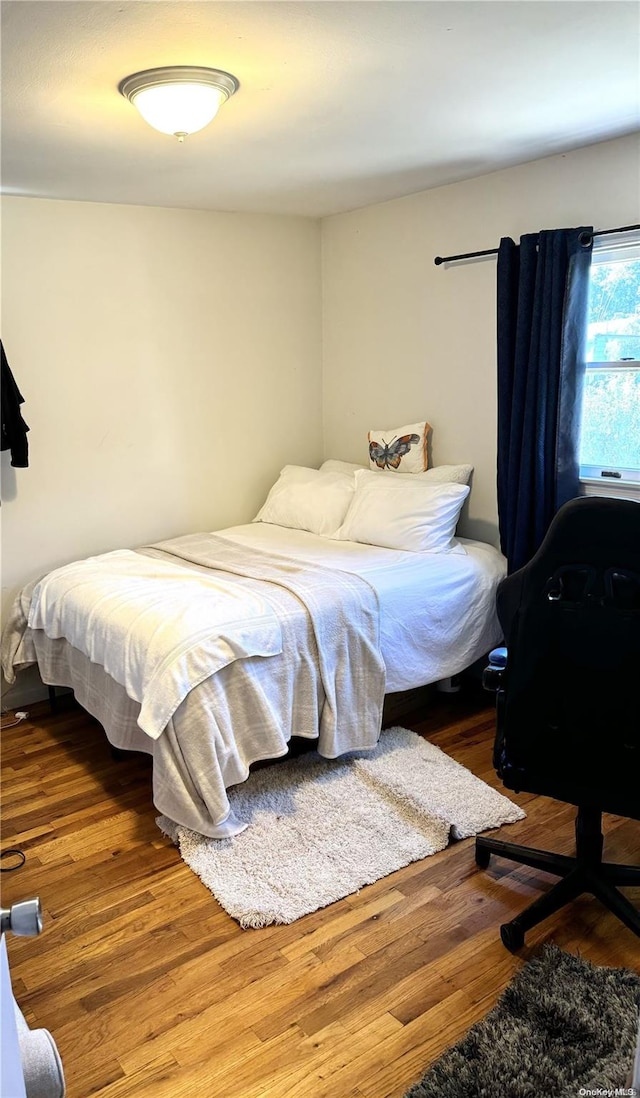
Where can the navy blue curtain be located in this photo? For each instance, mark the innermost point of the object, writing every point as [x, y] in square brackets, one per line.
[542, 305]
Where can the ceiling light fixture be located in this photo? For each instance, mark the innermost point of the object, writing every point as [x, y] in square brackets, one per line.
[178, 99]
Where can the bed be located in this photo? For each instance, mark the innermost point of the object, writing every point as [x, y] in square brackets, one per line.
[311, 632]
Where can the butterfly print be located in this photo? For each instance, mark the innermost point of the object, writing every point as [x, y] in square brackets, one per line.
[390, 456]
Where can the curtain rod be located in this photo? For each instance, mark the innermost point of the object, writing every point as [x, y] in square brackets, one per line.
[494, 251]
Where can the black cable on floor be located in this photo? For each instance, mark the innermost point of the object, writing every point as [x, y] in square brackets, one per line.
[15, 853]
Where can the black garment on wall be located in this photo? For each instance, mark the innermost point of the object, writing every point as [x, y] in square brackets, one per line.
[14, 428]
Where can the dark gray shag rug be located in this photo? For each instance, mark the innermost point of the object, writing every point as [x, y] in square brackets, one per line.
[562, 1024]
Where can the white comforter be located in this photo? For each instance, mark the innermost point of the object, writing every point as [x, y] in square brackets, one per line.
[163, 620]
[157, 627]
[437, 610]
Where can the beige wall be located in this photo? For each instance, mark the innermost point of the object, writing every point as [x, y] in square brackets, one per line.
[404, 340]
[170, 363]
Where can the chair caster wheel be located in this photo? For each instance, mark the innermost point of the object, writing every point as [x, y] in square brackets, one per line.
[483, 857]
[512, 936]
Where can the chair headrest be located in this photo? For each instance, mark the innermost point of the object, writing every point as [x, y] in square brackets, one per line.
[591, 531]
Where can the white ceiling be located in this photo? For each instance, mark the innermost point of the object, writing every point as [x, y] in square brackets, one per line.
[342, 103]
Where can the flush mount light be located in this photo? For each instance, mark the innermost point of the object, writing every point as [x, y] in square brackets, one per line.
[178, 99]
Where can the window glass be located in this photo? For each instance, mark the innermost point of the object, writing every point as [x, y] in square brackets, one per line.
[613, 330]
[611, 418]
[610, 435]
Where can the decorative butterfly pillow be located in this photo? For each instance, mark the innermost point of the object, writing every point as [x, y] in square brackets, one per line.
[399, 449]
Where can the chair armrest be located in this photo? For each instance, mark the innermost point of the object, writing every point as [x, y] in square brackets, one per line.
[493, 674]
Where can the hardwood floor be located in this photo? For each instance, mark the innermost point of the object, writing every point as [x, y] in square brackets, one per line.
[152, 991]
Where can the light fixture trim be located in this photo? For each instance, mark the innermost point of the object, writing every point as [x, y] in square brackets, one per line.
[178, 99]
[178, 74]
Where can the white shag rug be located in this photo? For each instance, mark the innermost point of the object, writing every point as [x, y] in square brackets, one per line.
[321, 829]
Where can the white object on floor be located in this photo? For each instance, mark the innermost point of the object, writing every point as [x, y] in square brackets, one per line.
[450, 685]
[11, 1075]
[30, 1065]
[320, 831]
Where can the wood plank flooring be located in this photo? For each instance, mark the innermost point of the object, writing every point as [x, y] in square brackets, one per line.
[152, 991]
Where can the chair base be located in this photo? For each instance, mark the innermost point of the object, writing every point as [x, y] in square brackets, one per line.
[586, 872]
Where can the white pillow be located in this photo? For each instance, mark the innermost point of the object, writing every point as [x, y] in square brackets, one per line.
[447, 474]
[416, 517]
[399, 449]
[308, 499]
[437, 474]
[331, 465]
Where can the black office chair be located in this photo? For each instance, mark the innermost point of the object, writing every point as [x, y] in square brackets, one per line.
[568, 697]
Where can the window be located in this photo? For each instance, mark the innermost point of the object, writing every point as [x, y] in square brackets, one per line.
[610, 435]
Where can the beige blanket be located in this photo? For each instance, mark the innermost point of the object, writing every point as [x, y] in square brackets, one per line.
[343, 611]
